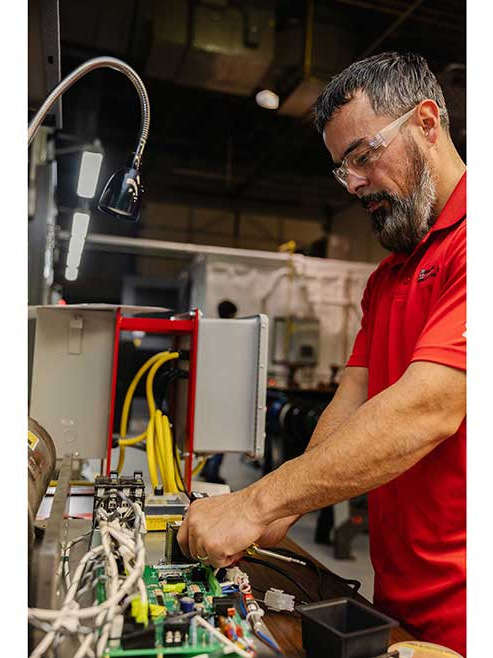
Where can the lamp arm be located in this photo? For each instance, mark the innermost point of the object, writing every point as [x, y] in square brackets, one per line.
[79, 72]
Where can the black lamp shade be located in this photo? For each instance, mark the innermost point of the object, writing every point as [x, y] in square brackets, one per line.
[122, 196]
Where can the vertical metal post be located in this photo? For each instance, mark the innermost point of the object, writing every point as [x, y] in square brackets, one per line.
[192, 387]
[114, 373]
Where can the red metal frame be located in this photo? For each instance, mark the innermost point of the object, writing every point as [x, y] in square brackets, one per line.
[178, 327]
[116, 345]
[192, 384]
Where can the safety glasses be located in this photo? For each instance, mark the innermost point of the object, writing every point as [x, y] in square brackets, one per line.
[360, 160]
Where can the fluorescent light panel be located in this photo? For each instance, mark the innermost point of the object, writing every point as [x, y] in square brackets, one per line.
[71, 273]
[90, 166]
[73, 259]
[80, 224]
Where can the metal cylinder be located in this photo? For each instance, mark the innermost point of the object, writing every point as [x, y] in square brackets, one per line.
[41, 458]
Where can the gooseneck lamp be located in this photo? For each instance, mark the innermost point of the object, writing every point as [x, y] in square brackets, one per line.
[122, 195]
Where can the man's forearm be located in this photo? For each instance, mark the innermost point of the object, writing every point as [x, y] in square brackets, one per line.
[350, 395]
[383, 438]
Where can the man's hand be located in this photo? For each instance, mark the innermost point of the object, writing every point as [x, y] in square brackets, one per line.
[217, 530]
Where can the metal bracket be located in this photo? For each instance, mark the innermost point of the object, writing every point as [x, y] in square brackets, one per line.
[46, 557]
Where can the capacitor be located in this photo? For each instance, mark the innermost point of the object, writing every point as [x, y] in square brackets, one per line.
[187, 604]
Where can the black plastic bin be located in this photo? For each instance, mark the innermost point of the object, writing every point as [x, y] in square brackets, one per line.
[344, 628]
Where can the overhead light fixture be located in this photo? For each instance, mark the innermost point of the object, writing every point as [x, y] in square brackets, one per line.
[122, 195]
[80, 224]
[71, 274]
[90, 166]
[267, 99]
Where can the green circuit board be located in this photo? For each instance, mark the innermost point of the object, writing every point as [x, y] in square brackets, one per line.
[164, 605]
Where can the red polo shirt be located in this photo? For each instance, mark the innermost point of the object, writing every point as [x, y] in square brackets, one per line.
[414, 309]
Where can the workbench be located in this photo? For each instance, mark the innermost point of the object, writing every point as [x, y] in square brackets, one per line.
[285, 626]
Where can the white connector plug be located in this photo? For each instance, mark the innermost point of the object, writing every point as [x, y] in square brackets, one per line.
[278, 600]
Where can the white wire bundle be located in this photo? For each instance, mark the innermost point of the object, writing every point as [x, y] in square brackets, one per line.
[116, 540]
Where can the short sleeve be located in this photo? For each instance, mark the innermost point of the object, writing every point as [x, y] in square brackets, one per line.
[358, 356]
[443, 339]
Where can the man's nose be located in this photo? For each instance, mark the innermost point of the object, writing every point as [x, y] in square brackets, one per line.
[355, 183]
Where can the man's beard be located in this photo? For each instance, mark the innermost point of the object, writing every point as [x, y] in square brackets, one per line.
[400, 228]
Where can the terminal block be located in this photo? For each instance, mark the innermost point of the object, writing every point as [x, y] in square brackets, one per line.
[107, 488]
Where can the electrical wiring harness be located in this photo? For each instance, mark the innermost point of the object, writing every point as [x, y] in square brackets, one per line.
[162, 453]
[121, 536]
[250, 608]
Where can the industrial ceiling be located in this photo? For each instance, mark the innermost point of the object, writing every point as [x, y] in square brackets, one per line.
[202, 61]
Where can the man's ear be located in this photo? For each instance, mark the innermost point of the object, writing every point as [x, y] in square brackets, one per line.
[429, 119]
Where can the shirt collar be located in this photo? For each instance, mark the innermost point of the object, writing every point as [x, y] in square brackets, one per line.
[453, 211]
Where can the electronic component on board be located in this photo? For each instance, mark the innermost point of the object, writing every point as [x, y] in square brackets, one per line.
[172, 551]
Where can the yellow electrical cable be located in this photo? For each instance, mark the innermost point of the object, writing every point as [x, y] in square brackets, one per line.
[160, 358]
[150, 379]
[178, 476]
[166, 459]
[158, 434]
[159, 446]
[121, 460]
[160, 449]
[131, 390]
[168, 443]
[151, 459]
[133, 441]
[195, 471]
[199, 466]
[122, 443]
[126, 410]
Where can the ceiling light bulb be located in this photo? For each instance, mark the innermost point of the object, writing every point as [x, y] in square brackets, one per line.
[90, 166]
[267, 99]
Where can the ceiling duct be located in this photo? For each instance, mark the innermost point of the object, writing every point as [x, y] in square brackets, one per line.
[221, 45]
[309, 51]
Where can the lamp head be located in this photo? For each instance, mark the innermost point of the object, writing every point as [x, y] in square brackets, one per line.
[122, 195]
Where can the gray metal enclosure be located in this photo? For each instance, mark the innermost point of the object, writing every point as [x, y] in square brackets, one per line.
[231, 385]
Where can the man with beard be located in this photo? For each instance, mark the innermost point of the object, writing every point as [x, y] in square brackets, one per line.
[396, 427]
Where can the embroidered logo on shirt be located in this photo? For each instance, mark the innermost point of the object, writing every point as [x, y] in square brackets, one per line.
[427, 272]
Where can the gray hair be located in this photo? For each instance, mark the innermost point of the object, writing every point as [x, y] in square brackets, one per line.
[394, 83]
